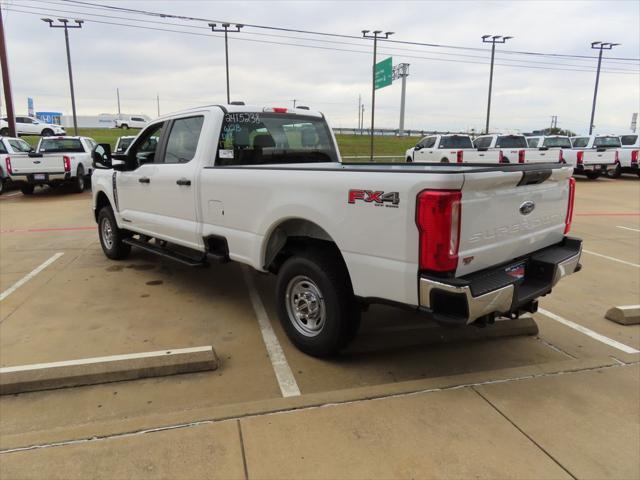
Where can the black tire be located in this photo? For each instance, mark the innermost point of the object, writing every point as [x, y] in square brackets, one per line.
[124, 126]
[322, 274]
[444, 160]
[409, 160]
[615, 173]
[79, 181]
[4, 132]
[505, 160]
[111, 236]
[27, 189]
[592, 175]
[2, 182]
[47, 132]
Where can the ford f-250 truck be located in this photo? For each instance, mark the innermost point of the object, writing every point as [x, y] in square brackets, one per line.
[627, 156]
[514, 148]
[266, 187]
[593, 155]
[449, 148]
[56, 160]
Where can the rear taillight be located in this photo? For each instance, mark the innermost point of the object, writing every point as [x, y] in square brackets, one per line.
[7, 162]
[459, 155]
[520, 156]
[634, 156]
[438, 220]
[572, 196]
[67, 163]
[561, 157]
[580, 158]
[500, 157]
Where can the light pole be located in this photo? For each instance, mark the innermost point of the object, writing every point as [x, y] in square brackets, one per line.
[65, 24]
[376, 34]
[225, 29]
[401, 71]
[492, 39]
[6, 81]
[598, 46]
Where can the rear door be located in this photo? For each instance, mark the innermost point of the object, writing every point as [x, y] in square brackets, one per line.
[504, 218]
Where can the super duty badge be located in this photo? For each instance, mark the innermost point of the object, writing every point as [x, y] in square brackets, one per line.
[378, 198]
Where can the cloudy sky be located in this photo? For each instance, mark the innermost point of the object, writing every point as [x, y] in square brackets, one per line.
[446, 89]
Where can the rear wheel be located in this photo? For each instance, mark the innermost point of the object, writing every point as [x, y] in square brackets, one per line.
[592, 175]
[27, 189]
[315, 302]
[79, 181]
[444, 160]
[47, 132]
[4, 132]
[111, 236]
[2, 182]
[615, 173]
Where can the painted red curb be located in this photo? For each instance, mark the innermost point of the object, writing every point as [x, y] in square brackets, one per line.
[49, 229]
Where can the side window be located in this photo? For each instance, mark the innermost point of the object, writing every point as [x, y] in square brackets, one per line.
[137, 119]
[3, 149]
[429, 142]
[482, 142]
[183, 140]
[19, 145]
[144, 150]
[533, 142]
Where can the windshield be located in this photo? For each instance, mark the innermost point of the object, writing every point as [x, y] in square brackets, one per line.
[258, 138]
[61, 145]
[456, 141]
[123, 144]
[606, 142]
[629, 140]
[512, 141]
[579, 142]
[562, 142]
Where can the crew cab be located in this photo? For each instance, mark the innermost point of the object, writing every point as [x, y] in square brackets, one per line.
[10, 148]
[56, 160]
[265, 187]
[514, 148]
[131, 121]
[449, 148]
[627, 156]
[593, 155]
[31, 126]
[122, 143]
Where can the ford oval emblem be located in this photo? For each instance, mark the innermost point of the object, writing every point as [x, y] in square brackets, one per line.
[527, 207]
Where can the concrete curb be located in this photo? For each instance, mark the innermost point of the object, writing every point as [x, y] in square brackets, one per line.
[625, 315]
[115, 368]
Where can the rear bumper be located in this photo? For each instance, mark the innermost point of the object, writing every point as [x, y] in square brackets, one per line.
[597, 167]
[48, 178]
[493, 292]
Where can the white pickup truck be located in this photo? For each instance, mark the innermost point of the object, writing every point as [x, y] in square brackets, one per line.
[10, 148]
[514, 148]
[627, 156]
[449, 148]
[266, 187]
[593, 155]
[56, 160]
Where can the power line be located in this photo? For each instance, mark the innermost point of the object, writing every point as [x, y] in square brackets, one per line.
[388, 52]
[312, 32]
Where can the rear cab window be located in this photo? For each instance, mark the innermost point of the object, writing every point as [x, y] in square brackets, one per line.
[61, 145]
[265, 138]
[558, 142]
[511, 141]
[455, 141]
[482, 142]
[628, 140]
[610, 142]
[580, 142]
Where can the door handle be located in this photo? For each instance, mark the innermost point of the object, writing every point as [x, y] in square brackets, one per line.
[183, 181]
[144, 180]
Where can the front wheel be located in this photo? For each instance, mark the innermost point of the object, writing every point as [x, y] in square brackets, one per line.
[409, 160]
[592, 175]
[315, 300]
[47, 132]
[111, 236]
[124, 126]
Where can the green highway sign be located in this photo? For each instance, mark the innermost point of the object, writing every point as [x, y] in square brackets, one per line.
[383, 73]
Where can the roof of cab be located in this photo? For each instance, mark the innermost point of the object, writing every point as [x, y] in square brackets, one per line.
[243, 109]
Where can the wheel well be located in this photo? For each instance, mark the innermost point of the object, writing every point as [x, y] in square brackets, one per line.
[292, 236]
[101, 201]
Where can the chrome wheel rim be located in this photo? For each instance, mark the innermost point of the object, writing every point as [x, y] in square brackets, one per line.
[305, 306]
[107, 233]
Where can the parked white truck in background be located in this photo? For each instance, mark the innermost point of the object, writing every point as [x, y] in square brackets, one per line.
[10, 148]
[514, 149]
[31, 126]
[123, 143]
[131, 121]
[265, 187]
[592, 155]
[56, 160]
[627, 156]
[449, 148]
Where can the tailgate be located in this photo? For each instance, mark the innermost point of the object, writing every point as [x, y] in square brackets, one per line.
[594, 157]
[44, 164]
[534, 155]
[475, 156]
[506, 215]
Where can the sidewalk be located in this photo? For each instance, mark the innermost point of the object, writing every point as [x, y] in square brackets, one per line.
[584, 424]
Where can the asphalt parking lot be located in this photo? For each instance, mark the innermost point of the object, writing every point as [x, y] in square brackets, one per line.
[408, 399]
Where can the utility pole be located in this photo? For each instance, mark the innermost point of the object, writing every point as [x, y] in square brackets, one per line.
[8, 98]
[359, 110]
[554, 121]
[376, 34]
[118, 95]
[492, 40]
[225, 29]
[598, 46]
[158, 102]
[294, 100]
[65, 24]
[401, 71]
[362, 120]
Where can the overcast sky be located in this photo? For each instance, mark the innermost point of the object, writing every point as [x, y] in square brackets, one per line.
[443, 91]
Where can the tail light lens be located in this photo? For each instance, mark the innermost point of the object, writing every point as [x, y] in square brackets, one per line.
[459, 156]
[572, 196]
[438, 220]
[561, 158]
[501, 157]
[634, 156]
[520, 156]
[67, 163]
[7, 162]
[580, 157]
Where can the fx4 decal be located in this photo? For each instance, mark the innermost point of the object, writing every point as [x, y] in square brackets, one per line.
[378, 198]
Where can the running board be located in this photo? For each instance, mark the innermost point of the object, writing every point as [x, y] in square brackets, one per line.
[163, 252]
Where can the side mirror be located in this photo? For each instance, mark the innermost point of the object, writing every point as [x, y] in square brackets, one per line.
[101, 156]
[418, 147]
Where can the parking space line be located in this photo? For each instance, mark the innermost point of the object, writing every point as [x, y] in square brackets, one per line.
[29, 276]
[628, 228]
[613, 259]
[284, 374]
[590, 333]
[46, 229]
